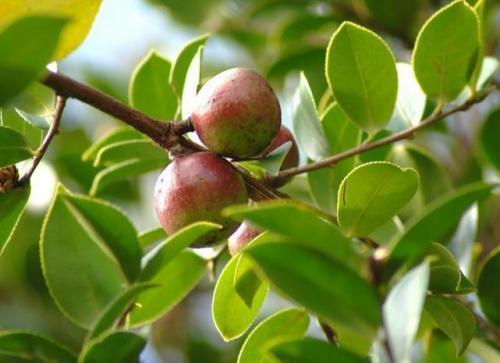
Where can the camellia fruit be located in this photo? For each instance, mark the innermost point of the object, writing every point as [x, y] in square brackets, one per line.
[236, 113]
[240, 238]
[196, 187]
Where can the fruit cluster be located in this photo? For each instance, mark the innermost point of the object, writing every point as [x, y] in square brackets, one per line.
[236, 115]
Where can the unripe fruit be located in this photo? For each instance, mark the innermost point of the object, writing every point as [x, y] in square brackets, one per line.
[236, 113]
[196, 187]
[292, 157]
[239, 239]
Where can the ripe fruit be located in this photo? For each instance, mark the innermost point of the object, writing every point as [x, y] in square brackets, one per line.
[239, 239]
[196, 187]
[292, 157]
[236, 113]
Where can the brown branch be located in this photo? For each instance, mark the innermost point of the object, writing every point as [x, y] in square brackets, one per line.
[53, 130]
[406, 134]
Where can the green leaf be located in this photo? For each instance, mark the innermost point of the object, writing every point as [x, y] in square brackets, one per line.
[441, 349]
[36, 105]
[114, 312]
[11, 119]
[80, 270]
[410, 102]
[123, 170]
[166, 251]
[12, 205]
[445, 273]
[436, 220]
[13, 147]
[183, 61]
[246, 280]
[489, 140]
[446, 50]
[152, 236]
[117, 347]
[130, 149]
[115, 136]
[453, 318]
[191, 84]
[42, 122]
[21, 65]
[323, 286]
[362, 75]
[313, 350]
[231, 313]
[394, 15]
[306, 124]
[280, 327]
[271, 163]
[24, 345]
[176, 280]
[487, 287]
[462, 242]
[402, 310]
[372, 194]
[309, 227]
[149, 88]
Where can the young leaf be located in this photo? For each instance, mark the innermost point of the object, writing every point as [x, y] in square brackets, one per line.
[281, 327]
[362, 75]
[13, 147]
[231, 313]
[80, 270]
[12, 205]
[152, 236]
[177, 278]
[21, 65]
[149, 88]
[445, 273]
[306, 125]
[453, 318]
[372, 194]
[446, 50]
[436, 220]
[120, 134]
[130, 149]
[16, 345]
[325, 287]
[489, 137]
[402, 310]
[191, 84]
[313, 350]
[487, 287]
[117, 347]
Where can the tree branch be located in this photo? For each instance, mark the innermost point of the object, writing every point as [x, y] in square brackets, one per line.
[406, 134]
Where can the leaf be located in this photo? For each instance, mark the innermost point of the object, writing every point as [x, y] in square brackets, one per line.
[12, 205]
[372, 194]
[488, 69]
[485, 350]
[231, 313]
[309, 228]
[41, 122]
[323, 286]
[271, 163]
[410, 102]
[117, 347]
[123, 170]
[462, 242]
[183, 61]
[446, 50]
[489, 141]
[149, 88]
[436, 220]
[23, 345]
[11, 119]
[394, 15]
[80, 270]
[280, 327]
[13, 147]
[453, 318]
[130, 149]
[445, 273]
[152, 236]
[441, 349]
[191, 84]
[36, 105]
[176, 280]
[246, 281]
[306, 124]
[402, 309]
[487, 287]
[313, 350]
[166, 251]
[120, 134]
[361, 72]
[21, 65]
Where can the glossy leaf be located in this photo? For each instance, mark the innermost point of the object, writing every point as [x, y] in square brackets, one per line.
[21, 65]
[12, 205]
[150, 90]
[372, 194]
[191, 84]
[361, 72]
[306, 124]
[115, 136]
[446, 50]
[152, 236]
[13, 147]
[489, 140]
[402, 310]
[462, 242]
[445, 272]
[117, 347]
[325, 287]
[271, 163]
[176, 280]
[453, 318]
[281, 327]
[10, 118]
[130, 149]
[436, 220]
[487, 287]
